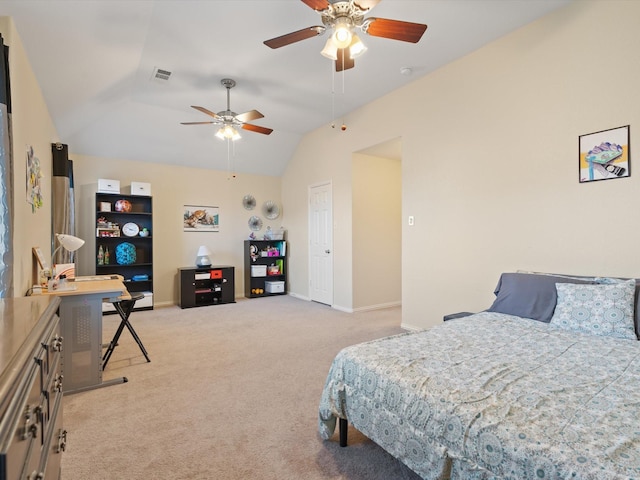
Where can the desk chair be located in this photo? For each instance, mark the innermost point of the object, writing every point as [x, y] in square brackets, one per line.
[124, 309]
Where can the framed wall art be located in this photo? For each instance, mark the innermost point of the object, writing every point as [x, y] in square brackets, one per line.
[34, 181]
[197, 218]
[604, 155]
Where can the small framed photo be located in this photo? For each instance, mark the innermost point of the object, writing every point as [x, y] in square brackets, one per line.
[197, 218]
[604, 155]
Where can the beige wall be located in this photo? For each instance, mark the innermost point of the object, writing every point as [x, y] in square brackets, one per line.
[31, 125]
[377, 232]
[489, 163]
[171, 188]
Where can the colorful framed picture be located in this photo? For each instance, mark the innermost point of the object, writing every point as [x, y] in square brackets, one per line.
[197, 218]
[604, 155]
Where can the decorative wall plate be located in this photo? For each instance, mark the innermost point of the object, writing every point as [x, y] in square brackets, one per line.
[271, 210]
[255, 223]
[248, 202]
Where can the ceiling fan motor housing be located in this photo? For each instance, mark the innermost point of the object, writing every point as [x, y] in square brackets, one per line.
[347, 12]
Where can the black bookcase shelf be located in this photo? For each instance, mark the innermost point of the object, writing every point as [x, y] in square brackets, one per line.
[261, 257]
[138, 276]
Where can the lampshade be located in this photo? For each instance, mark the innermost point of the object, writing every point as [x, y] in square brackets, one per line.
[356, 48]
[69, 242]
[330, 50]
[202, 257]
[228, 132]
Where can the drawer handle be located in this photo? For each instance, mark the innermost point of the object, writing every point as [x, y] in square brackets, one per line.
[62, 441]
[57, 385]
[30, 429]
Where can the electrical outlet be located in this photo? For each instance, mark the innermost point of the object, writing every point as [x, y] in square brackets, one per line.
[411, 220]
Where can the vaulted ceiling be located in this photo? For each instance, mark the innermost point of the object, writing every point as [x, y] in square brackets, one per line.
[95, 62]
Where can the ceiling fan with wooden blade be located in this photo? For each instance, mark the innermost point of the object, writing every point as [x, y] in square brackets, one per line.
[342, 17]
[229, 120]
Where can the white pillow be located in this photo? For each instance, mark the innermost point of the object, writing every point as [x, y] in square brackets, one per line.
[605, 310]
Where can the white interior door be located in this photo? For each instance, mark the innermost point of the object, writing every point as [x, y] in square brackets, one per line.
[321, 243]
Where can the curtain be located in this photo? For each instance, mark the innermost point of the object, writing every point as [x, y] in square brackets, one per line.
[63, 200]
[6, 177]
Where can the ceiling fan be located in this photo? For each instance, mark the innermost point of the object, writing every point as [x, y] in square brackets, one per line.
[229, 120]
[343, 17]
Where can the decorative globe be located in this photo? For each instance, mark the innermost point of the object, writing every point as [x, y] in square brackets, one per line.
[123, 205]
[125, 253]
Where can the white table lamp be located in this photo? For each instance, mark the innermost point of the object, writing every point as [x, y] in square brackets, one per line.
[202, 257]
[69, 242]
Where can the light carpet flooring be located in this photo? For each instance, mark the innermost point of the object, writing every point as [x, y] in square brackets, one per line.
[231, 392]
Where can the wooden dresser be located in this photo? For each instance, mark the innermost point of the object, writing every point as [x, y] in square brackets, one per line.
[31, 434]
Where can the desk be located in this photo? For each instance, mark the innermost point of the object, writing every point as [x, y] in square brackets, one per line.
[81, 328]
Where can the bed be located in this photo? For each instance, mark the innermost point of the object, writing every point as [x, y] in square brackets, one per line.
[545, 384]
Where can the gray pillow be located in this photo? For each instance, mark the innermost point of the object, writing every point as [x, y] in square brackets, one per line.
[530, 295]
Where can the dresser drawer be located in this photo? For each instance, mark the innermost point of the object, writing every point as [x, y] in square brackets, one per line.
[22, 428]
[55, 441]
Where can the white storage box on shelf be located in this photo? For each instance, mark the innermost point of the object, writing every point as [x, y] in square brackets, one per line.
[258, 270]
[139, 188]
[274, 287]
[106, 185]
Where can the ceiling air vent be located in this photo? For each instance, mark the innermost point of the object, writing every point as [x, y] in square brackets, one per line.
[160, 74]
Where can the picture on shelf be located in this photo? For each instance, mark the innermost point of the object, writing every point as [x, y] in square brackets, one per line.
[201, 219]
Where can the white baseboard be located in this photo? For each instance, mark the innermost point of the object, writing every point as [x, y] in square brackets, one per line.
[411, 328]
[380, 306]
[301, 297]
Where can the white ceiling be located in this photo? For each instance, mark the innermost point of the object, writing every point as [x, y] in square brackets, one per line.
[94, 61]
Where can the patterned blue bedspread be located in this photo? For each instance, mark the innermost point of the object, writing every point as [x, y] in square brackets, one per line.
[492, 396]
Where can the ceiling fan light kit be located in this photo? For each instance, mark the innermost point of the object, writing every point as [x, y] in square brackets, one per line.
[227, 132]
[343, 17]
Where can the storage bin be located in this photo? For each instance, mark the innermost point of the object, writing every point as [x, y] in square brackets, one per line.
[258, 270]
[147, 301]
[140, 188]
[216, 273]
[106, 185]
[274, 287]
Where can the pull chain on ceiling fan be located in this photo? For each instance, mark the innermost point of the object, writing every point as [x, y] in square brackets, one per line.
[229, 120]
[342, 18]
